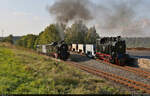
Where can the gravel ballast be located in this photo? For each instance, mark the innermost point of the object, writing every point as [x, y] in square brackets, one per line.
[108, 68]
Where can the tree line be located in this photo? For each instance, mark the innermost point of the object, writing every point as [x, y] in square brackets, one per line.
[8, 39]
[76, 33]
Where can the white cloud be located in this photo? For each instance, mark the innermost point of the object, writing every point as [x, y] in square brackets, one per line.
[37, 18]
[22, 14]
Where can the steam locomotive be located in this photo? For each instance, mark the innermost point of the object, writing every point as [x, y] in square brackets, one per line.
[57, 50]
[110, 49]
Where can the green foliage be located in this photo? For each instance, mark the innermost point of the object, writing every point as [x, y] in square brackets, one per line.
[24, 72]
[8, 39]
[11, 72]
[79, 33]
[49, 35]
[27, 41]
[91, 36]
[36, 42]
[76, 33]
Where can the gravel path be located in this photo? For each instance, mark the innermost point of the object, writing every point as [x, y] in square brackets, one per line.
[108, 68]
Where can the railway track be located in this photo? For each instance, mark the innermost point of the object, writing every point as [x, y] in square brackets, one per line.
[118, 79]
[110, 76]
[137, 71]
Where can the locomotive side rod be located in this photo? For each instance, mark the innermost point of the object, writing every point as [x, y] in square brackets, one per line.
[130, 83]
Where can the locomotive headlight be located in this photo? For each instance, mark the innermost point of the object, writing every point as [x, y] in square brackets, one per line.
[113, 53]
[103, 47]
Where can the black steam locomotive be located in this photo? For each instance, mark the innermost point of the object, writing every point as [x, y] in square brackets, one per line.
[56, 49]
[112, 49]
[62, 50]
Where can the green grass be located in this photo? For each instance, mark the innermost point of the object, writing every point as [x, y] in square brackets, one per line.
[25, 72]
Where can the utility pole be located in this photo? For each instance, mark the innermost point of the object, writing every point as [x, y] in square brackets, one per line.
[2, 34]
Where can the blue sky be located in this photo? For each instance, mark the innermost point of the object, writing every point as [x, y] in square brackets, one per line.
[21, 17]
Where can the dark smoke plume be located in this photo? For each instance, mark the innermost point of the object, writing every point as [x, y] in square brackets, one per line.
[119, 18]
[115, 17]
[67, 10]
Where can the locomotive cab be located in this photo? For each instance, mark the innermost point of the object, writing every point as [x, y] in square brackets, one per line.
[119, 52]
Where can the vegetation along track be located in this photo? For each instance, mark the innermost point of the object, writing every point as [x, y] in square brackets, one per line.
[113, 77]
[137, 71]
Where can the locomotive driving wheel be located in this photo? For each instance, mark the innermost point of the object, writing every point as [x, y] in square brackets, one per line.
[119, 61]
[111, 60]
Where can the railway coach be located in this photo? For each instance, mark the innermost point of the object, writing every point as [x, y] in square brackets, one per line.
[81, 48]
[90, 50]
[74, 47]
